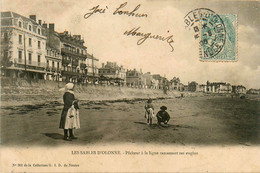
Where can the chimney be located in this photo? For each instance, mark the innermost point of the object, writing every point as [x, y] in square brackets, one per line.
[40, 22]
[103, 65]
[44, 25]
[33, 17]
[51, 27]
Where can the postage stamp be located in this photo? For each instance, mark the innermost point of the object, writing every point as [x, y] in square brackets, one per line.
[216, 34]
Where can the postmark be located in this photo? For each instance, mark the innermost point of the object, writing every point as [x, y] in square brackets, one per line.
[216, 34]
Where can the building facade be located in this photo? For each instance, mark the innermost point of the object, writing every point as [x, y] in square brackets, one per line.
[74, 58]
[135, 78]
[23, 46]
[217, 87]
[162, 81]
[53, 54]
[111, 73]
[175, 84]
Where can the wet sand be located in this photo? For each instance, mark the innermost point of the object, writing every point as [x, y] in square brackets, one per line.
[207, 120]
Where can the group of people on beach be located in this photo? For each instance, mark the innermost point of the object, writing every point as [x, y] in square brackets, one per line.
[70, 113]
[162, 116]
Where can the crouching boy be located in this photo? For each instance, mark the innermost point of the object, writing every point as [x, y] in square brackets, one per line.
[163, 116]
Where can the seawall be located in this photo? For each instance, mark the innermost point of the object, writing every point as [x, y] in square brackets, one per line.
[17, 91]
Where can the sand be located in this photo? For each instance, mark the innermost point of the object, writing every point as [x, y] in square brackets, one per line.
[207, 120]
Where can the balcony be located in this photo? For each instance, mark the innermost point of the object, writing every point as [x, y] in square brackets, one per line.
[66, 62]
[75, 63]
[53, 69]
[69, 73]
[73, 53]
[83, 65]
[29, 63]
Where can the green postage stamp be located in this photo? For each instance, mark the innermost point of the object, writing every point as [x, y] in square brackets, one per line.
[216, 34]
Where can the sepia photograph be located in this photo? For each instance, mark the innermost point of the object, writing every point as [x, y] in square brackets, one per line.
[130, 86]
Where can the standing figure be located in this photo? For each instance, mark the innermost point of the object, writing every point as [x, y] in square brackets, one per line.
[70, 113]
[149, 111]
[163, 116]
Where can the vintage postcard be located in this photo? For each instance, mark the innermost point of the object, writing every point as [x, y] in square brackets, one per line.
[130, 86]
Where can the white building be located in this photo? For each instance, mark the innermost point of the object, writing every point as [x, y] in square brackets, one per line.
[23, 45]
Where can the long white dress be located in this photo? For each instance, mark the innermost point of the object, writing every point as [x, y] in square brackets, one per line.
[72, 119]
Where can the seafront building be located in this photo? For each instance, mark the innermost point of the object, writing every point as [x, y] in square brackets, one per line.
[175, 84]
[74, 56]
[35, 50]
[162, 81]
[53, 54]
[217, 87]
[23, 46]
[111, 73]
[135, 78]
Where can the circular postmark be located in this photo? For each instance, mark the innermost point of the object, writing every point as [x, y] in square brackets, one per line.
[209, 30]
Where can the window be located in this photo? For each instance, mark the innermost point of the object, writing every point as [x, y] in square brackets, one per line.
[39, 58]
[30, 27]
[47, 63]
[20, 55]
[39, 44]
[52, 64]
[39, 31]
[5, 36]
[20, 24]
[20, 39]
[30, 58]
[30, 41]
[58, 65]
[6, 54]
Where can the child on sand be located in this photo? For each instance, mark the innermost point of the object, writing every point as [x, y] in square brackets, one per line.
[149, 111]
[163, 116]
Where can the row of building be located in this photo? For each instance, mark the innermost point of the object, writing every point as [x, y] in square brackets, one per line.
[215, 87]
[33, 49]
[111, 73]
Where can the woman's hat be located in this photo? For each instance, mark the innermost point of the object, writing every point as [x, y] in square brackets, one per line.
[163, 108]
[69, 86]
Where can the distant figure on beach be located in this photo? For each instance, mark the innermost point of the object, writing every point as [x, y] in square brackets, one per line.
[163, 116]
[149, 111]
[70, 113]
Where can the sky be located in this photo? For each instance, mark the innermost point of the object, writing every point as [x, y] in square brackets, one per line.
[104, 36]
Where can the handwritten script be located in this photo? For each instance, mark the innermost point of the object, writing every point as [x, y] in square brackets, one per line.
[121, 10]
[145, 36]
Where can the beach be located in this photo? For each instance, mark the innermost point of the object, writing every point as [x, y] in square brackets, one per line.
[195, 120]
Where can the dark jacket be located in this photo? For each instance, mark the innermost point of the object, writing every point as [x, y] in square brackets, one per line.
[163, 116]
[68, 98]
